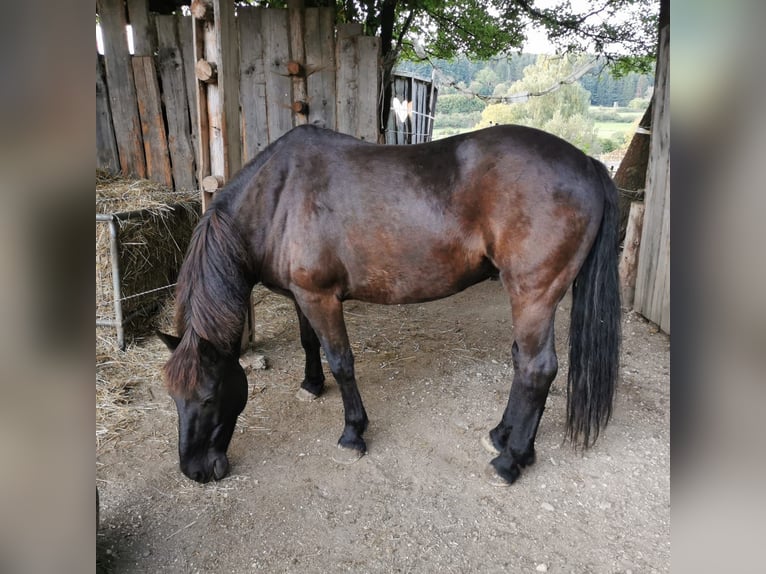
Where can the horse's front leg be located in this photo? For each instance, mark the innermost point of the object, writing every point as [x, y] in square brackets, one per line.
[325, 315]
[313, 381]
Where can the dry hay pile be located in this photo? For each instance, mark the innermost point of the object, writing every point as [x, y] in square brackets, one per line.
[151, 248]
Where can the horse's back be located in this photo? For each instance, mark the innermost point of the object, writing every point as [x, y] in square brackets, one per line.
[399, 224]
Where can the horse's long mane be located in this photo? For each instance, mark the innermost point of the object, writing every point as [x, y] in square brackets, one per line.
[211, 297]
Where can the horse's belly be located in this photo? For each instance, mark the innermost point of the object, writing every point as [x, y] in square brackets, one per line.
[393, 285]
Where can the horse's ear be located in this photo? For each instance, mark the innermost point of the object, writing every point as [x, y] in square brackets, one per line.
[209, 355]
[171, 341]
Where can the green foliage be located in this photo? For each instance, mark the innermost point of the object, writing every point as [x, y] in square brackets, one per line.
[481, 29]
[638, 104]
[610, 115]
[458, 120]
[607, 145]
[568, 99]
[484, 82]
[577, 129]
[497, 114]
[458, 103]
[563, 112]
[606, 87]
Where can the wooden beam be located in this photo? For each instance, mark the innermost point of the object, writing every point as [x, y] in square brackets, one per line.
[629, 258]
[653, 279]
[218, 108]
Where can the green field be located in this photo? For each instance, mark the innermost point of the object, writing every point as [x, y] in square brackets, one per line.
[606, 129]
[609, 129]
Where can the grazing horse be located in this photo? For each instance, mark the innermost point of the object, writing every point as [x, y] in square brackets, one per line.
[321, 217]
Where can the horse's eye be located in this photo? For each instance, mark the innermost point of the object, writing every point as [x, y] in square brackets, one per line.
[207, 401]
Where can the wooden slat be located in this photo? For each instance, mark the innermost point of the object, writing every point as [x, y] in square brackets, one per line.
[252, 89]
[107, 156]
[347, 88]
[320, 65]
[169, 57]
[152, 124]
[276, 54]
[369, 84]
[662, 284]
[653, 278]
[296, 15]
[184, 26]
[140, 20]
[433, 96]
[228, 84]
[121, 88]
[418, 104]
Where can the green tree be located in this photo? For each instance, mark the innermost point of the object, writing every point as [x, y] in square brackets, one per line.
[480, 29]
[563, 111]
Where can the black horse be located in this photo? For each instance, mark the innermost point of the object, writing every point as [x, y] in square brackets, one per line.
[322, 217]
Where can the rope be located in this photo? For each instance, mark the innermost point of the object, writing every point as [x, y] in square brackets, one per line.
[139, 294]
[631, 193]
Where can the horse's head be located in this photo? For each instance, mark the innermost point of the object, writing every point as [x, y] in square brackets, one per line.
[207, 410]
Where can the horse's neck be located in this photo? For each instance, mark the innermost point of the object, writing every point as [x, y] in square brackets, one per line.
[215, 282]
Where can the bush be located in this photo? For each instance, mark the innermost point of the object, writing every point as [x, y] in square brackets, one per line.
[607, 145]
[638, 103]
[466, 120]
[458, 103]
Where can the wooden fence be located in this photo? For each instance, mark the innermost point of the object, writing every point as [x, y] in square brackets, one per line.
[413, 106]
[146, 103]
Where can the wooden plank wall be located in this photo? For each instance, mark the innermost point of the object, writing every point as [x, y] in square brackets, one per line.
[276, 55]
[121, 88]
[148, 124]
[252, 89]
[653, 278]
[152, 123]
[418, 127]
[174, 86]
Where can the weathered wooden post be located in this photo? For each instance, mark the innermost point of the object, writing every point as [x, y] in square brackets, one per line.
[217, 69]
[216, 56]
[629, 258]
[296, 67]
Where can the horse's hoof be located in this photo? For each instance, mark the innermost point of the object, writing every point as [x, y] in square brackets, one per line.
[304, 395]
[486, 442]
[344, 455]
[493, 478]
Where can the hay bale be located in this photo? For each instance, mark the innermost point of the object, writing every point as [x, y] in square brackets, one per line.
[151, 247]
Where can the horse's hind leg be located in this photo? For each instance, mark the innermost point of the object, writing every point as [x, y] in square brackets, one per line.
[313, 382]
[325, 315]
[535, 366]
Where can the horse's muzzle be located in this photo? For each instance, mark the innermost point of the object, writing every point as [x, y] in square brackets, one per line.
[214, 466]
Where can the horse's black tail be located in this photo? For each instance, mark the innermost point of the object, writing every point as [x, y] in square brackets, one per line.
[594, 333]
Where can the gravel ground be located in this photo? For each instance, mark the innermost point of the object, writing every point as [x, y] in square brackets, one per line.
[434, 378]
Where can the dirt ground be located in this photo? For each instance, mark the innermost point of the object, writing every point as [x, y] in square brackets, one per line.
[434, 377]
